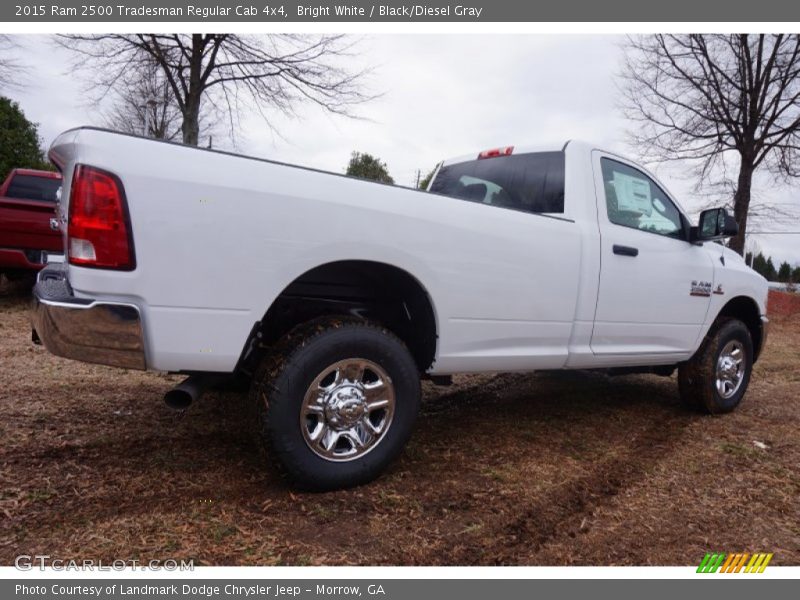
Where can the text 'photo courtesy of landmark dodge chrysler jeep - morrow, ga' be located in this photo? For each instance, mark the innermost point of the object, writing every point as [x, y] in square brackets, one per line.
[334, 295]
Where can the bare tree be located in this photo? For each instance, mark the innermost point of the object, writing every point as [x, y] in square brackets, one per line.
[10, 68]
[705, 97]
[143, 103]
[227, 71]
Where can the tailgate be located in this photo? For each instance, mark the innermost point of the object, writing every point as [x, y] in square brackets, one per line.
[26, 224]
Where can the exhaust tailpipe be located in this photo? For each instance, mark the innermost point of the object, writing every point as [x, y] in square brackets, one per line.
[190, 389]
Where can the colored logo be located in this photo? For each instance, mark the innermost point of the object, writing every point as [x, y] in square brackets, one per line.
[734, 563]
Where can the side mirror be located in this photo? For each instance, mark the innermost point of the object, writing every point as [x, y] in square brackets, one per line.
[715, 224]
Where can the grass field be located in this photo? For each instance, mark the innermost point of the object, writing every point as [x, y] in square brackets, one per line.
[541, 469]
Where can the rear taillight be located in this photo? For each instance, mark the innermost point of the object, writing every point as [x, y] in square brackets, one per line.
[496, 152]
[98, 229]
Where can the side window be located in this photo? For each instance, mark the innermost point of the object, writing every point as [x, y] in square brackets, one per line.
[634, 200]
[531, 182]
[31, 187]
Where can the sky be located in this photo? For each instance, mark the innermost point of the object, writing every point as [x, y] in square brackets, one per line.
[440, 95]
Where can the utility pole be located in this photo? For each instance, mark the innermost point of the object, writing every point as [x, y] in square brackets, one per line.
[752, 252]
[416, 183]
[148, 106]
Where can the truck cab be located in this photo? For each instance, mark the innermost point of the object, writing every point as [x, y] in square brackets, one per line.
[648, 287]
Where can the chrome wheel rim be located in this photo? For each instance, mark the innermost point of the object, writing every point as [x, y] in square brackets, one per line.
[730, 369]
[347, 409]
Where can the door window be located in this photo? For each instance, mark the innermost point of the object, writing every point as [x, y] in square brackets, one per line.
[634, 200]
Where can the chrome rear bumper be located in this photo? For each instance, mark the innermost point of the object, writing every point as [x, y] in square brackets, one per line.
[106, 333]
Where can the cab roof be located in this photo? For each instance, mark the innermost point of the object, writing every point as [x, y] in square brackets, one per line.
[37, 173]
[521, 149]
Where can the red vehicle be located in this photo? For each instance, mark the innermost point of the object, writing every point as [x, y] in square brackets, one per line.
[29, 228]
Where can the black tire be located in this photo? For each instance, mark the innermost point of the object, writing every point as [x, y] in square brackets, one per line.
[697, 378]
[284, 378]
[21, 277]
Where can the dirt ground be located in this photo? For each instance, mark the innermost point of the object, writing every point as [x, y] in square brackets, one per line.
[543, 469]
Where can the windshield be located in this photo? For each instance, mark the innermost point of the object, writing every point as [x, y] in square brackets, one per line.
[532, 182]
[31, 187]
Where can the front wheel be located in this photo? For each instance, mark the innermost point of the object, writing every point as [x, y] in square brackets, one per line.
[715, 379]
[336, 402]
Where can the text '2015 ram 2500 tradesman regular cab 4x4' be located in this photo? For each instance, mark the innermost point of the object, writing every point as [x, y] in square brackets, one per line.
[334, 294]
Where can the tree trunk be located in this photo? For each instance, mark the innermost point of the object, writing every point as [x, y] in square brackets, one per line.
[191, 124]
[741, 202]
[191, 113]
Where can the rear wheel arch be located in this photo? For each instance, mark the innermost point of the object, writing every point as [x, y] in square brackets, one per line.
[367, 290]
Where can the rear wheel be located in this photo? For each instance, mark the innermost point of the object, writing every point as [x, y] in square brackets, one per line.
[716, 378]
[336, 402]
[20, 275]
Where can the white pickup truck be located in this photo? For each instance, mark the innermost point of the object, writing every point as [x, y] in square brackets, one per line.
[334, 295]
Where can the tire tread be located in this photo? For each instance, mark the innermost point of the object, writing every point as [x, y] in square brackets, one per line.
[695, 374]
[270, 381]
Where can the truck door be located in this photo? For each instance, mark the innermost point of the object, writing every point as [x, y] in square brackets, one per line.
[655, 286]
